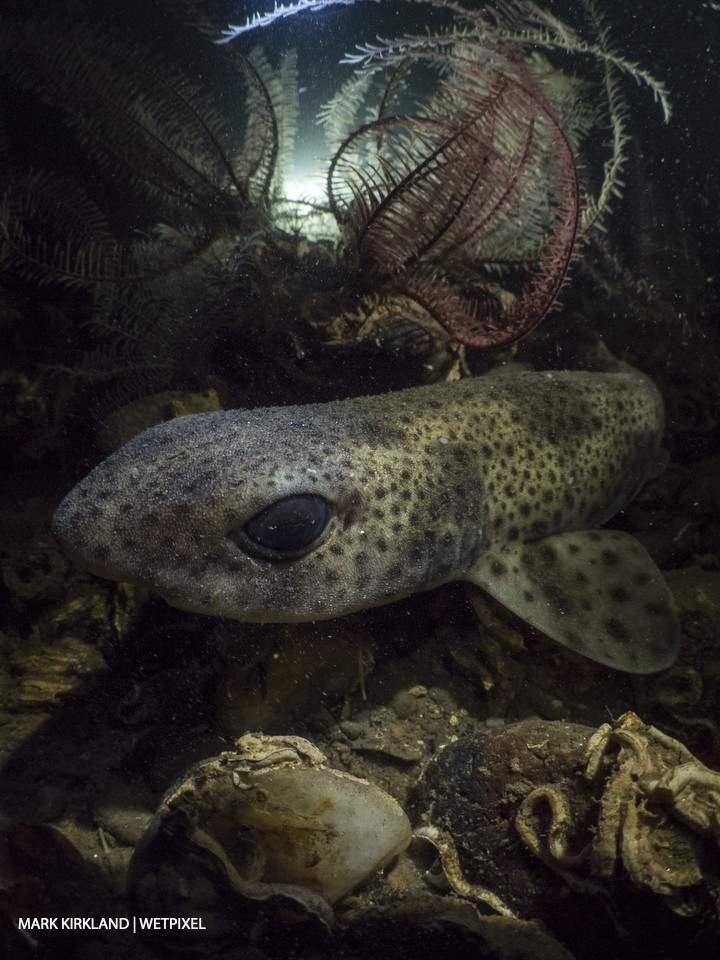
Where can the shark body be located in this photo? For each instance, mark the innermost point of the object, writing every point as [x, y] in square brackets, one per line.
[312, 512]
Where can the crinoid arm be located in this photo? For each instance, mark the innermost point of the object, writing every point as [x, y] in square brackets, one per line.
[485, 176]
[279, 12]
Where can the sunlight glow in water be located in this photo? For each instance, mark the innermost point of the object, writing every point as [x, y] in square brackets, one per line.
[306, 182]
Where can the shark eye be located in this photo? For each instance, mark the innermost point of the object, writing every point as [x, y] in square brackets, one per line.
[289, 526]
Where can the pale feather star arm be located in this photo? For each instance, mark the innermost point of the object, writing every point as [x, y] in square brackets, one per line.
[280, 11]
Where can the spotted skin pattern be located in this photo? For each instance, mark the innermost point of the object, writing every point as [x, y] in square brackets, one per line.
[500, 480]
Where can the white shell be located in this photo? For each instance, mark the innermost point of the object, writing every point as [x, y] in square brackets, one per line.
[280, 823]
[321, 827]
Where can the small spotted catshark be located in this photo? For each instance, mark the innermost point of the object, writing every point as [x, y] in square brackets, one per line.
[311, 512]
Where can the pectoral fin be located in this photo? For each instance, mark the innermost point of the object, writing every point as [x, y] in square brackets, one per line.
[595, 591]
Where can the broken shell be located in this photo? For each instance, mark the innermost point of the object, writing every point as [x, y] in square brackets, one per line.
[270, 820]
